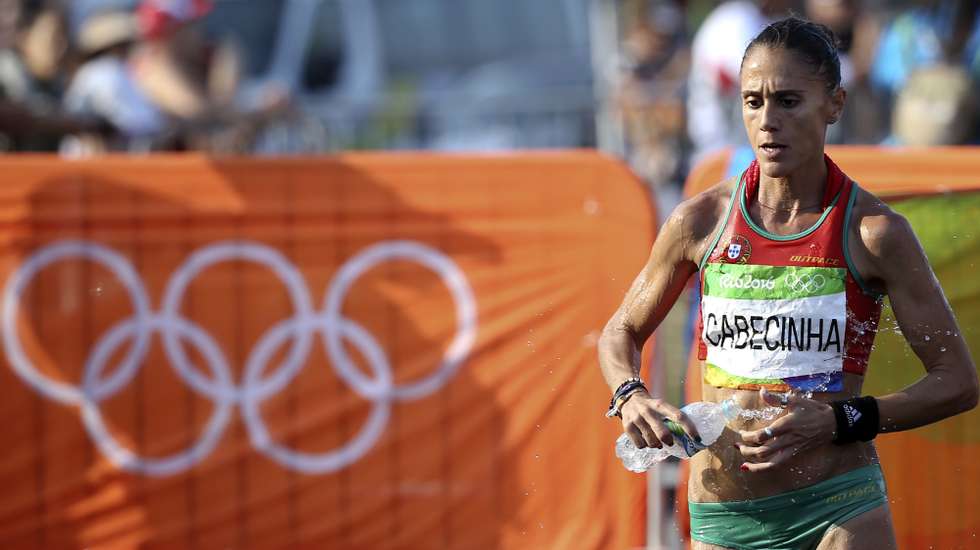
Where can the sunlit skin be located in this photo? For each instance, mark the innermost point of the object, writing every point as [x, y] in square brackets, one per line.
[786, 102]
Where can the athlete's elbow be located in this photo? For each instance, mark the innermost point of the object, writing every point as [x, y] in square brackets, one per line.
[618, 326]
[615, 335]
[968, 395]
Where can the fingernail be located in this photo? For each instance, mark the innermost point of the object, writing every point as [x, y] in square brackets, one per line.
[744, 468]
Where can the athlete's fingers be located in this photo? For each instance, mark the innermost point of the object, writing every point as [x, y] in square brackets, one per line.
[760, 453]
[777, 458]
[635, 435]
[759, 437]
[666, 410]
[648, 431]
[659, 428]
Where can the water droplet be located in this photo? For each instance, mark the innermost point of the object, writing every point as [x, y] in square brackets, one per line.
[942, 349]
[927, 338]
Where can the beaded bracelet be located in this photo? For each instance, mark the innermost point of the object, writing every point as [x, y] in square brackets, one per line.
[627, 382]
[622, 393]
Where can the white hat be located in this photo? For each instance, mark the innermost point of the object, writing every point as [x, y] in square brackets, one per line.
[107, 29]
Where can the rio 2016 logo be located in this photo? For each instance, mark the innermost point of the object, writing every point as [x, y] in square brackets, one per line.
[746, 281]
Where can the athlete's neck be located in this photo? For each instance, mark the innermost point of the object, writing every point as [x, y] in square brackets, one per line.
[801, 190]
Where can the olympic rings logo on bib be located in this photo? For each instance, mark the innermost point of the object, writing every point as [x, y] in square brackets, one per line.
[805, 282]
[746, 281]
[328, 323]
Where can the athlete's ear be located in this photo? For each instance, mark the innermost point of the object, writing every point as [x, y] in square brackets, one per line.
[837, 98]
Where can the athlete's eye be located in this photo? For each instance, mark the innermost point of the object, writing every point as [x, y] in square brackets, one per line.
[753, 103]
[789, 102]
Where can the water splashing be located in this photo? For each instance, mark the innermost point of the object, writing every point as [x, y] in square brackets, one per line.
[765, 413]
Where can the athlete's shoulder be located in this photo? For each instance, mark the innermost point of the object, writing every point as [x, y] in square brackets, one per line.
[703, 212]
[880, 231]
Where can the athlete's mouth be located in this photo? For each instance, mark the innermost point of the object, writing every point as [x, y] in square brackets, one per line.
[771, 146]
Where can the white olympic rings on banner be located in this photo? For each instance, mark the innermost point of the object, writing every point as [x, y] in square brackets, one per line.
[806, 282]
[254, 388]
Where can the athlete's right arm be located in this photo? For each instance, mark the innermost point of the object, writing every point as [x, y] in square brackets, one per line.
[673, 259]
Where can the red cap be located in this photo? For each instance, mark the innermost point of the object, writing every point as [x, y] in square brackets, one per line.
[158, 18]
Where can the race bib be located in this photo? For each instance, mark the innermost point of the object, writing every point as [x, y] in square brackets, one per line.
[774, 322]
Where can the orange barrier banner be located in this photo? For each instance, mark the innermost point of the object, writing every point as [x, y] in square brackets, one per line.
[362, 351]
[932, 473]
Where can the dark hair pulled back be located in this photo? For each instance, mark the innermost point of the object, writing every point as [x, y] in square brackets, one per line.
[815, 42]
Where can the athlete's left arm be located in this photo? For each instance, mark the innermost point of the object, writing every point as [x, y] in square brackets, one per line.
[893, 258]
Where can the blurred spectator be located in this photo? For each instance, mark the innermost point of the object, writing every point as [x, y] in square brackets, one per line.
[173, 60]
[9, 16]
[927, 33]
[714, 110]
[30, 82]
[937, 106]
[195, 78]
[105, 85]
[931, 34]
[163, 81]
[651, 94]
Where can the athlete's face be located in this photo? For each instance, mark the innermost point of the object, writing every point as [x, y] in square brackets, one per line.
[786, 109]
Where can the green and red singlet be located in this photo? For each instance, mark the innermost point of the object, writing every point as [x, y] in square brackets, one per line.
[785, 311]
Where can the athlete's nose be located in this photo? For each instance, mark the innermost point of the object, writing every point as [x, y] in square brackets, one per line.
[769, 118]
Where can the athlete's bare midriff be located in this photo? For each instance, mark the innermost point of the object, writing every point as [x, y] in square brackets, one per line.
[715, 473]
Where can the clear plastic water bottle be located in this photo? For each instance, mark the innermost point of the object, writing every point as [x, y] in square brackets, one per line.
[710, 419]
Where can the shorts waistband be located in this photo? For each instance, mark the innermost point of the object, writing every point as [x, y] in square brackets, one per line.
[857, 483]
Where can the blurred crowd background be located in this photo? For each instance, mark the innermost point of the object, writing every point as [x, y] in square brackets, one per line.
[652, 81]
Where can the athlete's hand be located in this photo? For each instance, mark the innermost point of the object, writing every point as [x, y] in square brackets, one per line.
[806, 425]
[643, 421]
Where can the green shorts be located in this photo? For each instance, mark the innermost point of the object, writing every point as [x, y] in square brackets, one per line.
[791, 521]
